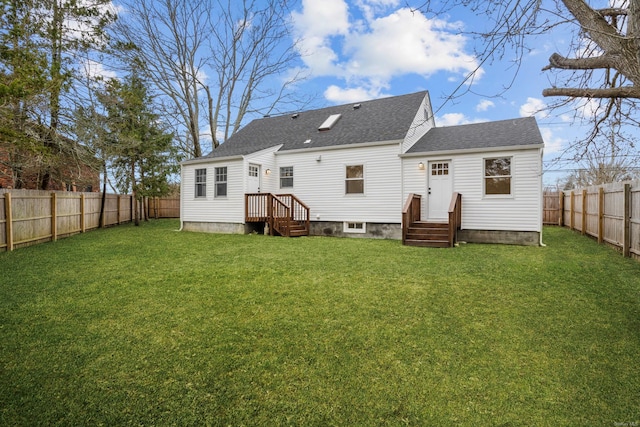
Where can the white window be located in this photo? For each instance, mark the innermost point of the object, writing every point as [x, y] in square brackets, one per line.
[201, 183]
[253, 171]
[497, 176]
[221, 182]
[286, 177]
[354, 181]
[355, 227]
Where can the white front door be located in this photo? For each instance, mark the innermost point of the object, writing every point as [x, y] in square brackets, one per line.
[439, 190]
[253, 180]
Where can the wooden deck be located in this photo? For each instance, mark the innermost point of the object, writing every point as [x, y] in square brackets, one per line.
[284, 214]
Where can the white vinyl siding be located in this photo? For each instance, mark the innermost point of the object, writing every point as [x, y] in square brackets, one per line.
[229, 209]
[520, 211]
[422, 122]
[320, 183]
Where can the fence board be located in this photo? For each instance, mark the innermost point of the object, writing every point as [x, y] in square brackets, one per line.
[551, 211]
[35, 216]
[599, 211]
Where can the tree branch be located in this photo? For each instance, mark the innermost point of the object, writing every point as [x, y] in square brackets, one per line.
[617, 92]
[559, 61]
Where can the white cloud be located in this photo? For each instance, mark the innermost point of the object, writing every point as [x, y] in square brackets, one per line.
[316, 26]
[552, 144]
[484, 105]
[371, 53]
[534, 107]
[339, 95]
[94, 69]
[406, 42]
[452, 119]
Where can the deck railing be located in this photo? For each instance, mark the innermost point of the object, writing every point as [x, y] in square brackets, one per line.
[410, 213]
[455, 217]
[280, 211]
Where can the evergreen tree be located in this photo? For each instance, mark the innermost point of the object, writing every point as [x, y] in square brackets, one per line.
[142, 154]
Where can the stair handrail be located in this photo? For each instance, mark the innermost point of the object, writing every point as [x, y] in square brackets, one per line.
[280, 217]
[455, 217]
[299, 211]
[410, 213]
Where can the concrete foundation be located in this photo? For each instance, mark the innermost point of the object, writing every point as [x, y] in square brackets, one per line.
[373, 230]
[525, 238]
[216, 227]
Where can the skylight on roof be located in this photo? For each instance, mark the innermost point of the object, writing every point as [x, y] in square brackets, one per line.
[328, 124]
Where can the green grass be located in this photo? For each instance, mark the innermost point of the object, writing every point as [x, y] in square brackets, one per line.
[149, 326]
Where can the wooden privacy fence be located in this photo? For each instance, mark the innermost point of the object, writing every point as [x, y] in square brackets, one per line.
[166, 207]
[30, 216]
[609, 212]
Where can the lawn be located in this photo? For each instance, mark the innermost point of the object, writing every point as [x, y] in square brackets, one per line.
[150, 326]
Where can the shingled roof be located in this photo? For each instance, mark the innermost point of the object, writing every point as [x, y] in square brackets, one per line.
[385, 119]
[503, 133]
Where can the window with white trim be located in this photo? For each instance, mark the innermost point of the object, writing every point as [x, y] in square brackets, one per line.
[497, 176]
[221, 182]
[354, 181]
[286, 177]
[355, 227]
[253, 171]
[201, 183]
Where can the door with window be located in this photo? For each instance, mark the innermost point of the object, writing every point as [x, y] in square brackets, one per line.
[253, 180]
[439, 190]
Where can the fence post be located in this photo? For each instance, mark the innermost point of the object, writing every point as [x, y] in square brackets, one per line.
[571, 210]
[82, 213]
[600, 214]
[9, 221]
[561, 208]
[118, 217]
[54, 219]
[584, 212]
[626, 239]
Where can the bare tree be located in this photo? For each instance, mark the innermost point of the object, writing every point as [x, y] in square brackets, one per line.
[603, 62]
[212, 60]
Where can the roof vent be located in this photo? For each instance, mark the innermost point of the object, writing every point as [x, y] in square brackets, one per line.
[328, 124]
[308, 141]
[356, 106]
[295, 115]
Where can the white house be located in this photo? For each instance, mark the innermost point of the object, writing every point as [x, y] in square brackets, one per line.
[351, 170]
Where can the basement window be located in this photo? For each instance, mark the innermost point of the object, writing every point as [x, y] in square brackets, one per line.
[355, 227]
[328, 124]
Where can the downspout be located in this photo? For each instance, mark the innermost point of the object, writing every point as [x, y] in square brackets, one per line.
[181, 196]
[541, 203]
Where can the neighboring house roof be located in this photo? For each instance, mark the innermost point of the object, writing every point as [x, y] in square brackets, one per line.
[478, 136]
[385, 119]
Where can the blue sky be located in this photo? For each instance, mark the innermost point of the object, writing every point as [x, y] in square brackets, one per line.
[355, 50]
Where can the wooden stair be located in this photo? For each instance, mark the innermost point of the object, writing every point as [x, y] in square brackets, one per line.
[295, 229]
[428, 234]
[416, 232]
[284, 214]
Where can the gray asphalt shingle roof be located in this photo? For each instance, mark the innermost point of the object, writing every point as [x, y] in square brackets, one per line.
[383, 119]
[503, 133]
